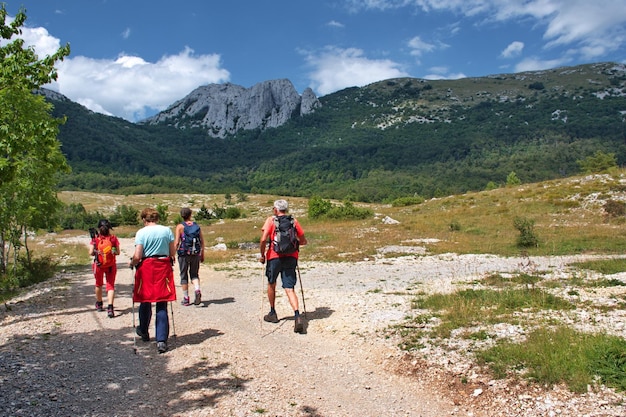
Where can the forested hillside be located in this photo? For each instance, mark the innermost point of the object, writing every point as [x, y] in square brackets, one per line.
[393, 138]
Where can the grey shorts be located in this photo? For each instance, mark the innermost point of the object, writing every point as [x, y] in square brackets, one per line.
[286, 267]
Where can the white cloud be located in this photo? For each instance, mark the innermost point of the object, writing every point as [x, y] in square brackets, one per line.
[336, 68]
[334, 23]
[441, 73]
[514, 49]
[126, 33]
[535, 64]
[589, 28]
[418, 46]
[44, 43]
[129, 86]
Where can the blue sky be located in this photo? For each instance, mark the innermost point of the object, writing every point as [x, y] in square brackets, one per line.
[133, 58]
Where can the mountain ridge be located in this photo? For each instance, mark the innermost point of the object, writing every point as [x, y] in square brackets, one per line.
[397, 137]
[225, 109]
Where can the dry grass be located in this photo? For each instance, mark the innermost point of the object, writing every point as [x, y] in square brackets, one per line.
[568, 218]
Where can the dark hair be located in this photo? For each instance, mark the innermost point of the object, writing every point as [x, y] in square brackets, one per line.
[185, 213]
[104, 226]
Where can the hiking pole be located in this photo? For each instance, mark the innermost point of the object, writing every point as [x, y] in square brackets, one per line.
[263, 284]
[173, 325]
[132, 275]
[301, 290]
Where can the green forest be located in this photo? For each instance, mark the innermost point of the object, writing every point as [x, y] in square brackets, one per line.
[470, 133]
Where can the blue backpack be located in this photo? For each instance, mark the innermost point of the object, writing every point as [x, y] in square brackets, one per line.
[190, 240]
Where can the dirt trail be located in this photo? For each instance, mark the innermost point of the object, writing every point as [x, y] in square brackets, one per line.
[58, 357]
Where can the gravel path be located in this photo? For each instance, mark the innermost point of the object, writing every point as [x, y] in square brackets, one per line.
[59, 357]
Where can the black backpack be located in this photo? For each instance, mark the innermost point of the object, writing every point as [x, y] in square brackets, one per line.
[285, 236]
[190, 240]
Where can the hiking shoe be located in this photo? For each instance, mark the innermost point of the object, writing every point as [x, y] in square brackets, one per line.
[144, 336]
[99, 306]
[271, 317]
[185, 301]
[198, 298]
[298, 325]
[161, 347]
[110, 312]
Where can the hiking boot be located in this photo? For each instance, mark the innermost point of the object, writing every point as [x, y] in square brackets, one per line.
[298, 326]
[185, 301]
[198, 298]
[110, 312]
[99, 306]
[271, 317]
[161, 347]
[144, 336]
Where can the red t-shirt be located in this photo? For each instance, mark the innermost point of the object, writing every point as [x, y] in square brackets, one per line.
[270, 228]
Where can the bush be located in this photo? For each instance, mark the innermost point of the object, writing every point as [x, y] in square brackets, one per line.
[203, 213]
[599, 162]
[318, 207]
[349, 211]
[527, 237]
[75, 217]
[232, 213]
[407, 201]
[125, 215]
[614, 208]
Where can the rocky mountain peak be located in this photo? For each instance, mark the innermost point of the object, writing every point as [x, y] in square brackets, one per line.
[224, 109]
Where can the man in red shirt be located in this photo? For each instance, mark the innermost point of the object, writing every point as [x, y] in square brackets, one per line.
[279, 263]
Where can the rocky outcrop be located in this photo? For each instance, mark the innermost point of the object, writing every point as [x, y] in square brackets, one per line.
[224, 109]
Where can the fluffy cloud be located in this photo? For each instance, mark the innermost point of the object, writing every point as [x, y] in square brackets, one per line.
[336, 68]
[418, 46]
[128, 86]
[514, 49]
[590, 29]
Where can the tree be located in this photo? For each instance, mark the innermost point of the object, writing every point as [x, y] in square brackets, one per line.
[30, 153]
[599, 162]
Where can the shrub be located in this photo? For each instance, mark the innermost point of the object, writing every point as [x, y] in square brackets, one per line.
[407, 201]
[318, 207]
[232, 213]
[349, 211]
[527, 237]
[125, 215]
[614, 208]
[598, 162]
[512, 179]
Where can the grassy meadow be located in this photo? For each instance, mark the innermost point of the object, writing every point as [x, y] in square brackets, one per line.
[568, 215]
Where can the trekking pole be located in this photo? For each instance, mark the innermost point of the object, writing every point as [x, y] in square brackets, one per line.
[262, 297]
[132, 298]
[173, 325]
[301, 290]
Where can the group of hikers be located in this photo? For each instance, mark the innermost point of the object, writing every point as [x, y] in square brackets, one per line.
[157, 247]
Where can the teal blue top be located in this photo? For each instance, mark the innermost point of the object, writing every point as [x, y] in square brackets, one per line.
[155, 240]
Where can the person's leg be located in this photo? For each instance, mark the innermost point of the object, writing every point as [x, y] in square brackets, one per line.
[271, 295]
[145, 316]
[99, 276]
[110, 282]
[194, 269]
[183, 265]
[293, 299]
[289, 279]
[162, 322]
[272, 270]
